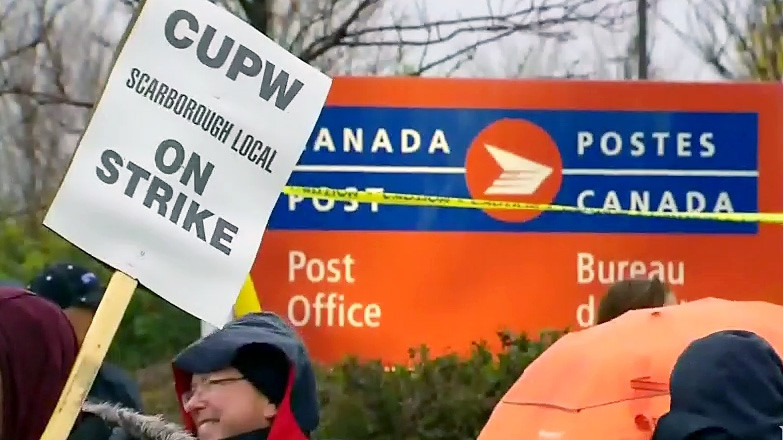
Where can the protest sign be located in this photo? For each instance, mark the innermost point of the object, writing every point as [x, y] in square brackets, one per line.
[199, 125]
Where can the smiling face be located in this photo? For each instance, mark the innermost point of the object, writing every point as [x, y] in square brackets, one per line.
[223, 404]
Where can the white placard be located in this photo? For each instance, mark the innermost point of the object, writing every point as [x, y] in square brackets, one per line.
[200, 125]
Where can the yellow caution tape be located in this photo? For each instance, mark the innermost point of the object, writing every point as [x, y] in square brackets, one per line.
[248, 300]
[455, 202]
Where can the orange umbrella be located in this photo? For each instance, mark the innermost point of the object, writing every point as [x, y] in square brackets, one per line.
[610, 382]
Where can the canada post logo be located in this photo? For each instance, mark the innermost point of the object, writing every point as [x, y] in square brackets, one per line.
[645, 162]
[514, 160]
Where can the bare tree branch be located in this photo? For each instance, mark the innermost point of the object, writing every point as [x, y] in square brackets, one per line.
[16, 51]
[527, 19]
[334, 39]
[738, 39]
[46, 90]
[53, 58]
[46, 98]
[712, 54]
[320, 31]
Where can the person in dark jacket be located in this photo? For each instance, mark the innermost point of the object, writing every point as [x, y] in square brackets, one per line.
[78, 292]
[251, 380]
[725, 386]
[37, 351]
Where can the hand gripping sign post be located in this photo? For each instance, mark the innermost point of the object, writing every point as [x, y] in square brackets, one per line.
[199, 126]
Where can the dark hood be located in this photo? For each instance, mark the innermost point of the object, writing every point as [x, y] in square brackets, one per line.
[37, 351]
[297, 414]
[728, 382]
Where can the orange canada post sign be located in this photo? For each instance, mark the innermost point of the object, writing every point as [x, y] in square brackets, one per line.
[373, 280]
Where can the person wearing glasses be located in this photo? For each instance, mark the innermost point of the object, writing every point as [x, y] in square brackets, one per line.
[251, 380]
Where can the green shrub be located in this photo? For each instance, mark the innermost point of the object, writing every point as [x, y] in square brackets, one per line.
[442, 398]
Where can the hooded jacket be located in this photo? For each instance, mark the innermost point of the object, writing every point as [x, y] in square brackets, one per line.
[297, 415]
[105, 420]
[37, 351]
[725, 386]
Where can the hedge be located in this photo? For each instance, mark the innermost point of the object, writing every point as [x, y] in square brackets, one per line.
[441, 398]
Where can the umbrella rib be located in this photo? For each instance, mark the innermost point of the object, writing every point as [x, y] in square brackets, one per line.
[551, 405]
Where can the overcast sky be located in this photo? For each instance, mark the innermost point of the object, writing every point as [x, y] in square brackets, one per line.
[592, 46]
[674, 59]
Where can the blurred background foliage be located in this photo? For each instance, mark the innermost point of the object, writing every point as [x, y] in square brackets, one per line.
[152, 330]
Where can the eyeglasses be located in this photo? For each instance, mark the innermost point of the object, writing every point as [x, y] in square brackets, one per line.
[206, 386]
